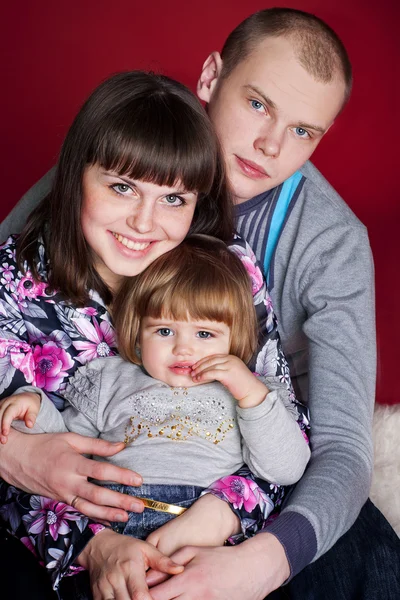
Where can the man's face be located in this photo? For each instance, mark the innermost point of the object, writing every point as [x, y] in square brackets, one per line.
[270, 115]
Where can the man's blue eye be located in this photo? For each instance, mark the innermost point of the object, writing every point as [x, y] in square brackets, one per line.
[301, 132]
[256, 104]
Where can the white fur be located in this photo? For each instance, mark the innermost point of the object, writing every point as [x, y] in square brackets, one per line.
[385, 491]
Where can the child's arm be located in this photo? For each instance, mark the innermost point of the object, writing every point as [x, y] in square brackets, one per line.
[274, 447]
[22, 406]
[76, 417]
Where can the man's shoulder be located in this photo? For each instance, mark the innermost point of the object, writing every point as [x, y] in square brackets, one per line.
[319, 199]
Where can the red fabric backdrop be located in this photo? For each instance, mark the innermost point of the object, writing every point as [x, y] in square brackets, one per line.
[55, 53]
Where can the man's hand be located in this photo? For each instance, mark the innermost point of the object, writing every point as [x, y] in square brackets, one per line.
[209, 522]
[52, 465]
[117, 565]
[229, 370]
[251, 570]
[20, 407]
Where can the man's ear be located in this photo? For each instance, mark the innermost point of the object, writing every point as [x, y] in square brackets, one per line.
[209, 76]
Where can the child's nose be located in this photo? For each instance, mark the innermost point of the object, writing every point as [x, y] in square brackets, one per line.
[182, 348]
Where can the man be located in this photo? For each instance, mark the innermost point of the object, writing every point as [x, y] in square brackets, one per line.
[279, 83]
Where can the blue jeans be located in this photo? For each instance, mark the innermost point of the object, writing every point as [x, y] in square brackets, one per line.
[141, 525]
[138, 525]
[364, 564]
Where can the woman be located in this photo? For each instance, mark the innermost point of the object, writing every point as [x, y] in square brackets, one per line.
[139, 169]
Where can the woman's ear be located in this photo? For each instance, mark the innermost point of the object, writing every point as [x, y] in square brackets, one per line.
[209, 76]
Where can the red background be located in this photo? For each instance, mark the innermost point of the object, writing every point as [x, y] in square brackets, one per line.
[55, 53]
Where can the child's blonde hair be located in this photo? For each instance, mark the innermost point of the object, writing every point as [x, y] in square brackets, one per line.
[199, 279]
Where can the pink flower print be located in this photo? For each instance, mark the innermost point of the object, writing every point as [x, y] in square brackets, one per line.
[96, 528]
[100, 339]
[52, 513]
[7, 277]
[268, 302]
[254, 273]
[88, 310]
[239, 491]
[29, 288]
[51, 366]
[20, 357]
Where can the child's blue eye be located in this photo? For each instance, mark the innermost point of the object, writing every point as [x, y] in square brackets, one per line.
[204, 335]
[164, 331]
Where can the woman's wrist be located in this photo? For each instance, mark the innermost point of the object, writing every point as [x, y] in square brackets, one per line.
[101, 536]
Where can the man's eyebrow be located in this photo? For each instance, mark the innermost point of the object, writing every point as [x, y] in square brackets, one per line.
[253, 88]
[309, 126]
[271, 103]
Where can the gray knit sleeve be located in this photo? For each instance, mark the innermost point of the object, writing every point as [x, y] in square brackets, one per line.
[83, 413]
[274, 446]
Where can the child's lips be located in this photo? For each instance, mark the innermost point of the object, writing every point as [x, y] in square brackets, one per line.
[181, 368]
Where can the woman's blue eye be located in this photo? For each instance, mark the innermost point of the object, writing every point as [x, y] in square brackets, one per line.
[204, 335]
[256, 104]
[121, 188]
[174, 199]
[164, 332]
[302, 132]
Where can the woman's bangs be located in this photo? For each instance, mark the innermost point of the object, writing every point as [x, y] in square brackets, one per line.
[153, 143]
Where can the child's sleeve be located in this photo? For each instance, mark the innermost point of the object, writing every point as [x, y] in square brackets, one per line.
[83, 412]
[274, 447]
[49, 419]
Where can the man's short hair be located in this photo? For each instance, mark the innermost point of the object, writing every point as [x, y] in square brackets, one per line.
[317, 47]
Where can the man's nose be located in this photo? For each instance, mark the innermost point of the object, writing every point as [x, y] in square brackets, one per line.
[269, 140]
[142, 218]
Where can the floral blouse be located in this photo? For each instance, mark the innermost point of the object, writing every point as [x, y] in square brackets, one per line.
[43, 340]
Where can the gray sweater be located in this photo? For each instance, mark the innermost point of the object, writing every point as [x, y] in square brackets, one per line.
[188, 436]
[323, 292]
[322, 286]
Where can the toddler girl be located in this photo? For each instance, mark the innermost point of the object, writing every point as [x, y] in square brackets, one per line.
[180, 394]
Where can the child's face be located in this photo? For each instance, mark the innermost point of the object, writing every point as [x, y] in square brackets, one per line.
[170, 348]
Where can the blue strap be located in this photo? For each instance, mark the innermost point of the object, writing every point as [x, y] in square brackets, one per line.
[287, 192]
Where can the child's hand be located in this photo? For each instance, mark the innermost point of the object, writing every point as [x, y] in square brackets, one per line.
[234, 375]
[21, 407]
[208, 522]
[117, 565]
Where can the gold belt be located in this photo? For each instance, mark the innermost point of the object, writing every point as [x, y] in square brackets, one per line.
[163, 506]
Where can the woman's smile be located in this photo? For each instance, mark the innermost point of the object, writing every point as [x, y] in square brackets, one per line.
[129, 223]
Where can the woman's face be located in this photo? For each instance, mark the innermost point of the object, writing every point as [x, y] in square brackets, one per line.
[128, 223]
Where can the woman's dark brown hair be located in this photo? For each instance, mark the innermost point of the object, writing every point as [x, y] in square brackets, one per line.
[141, 125]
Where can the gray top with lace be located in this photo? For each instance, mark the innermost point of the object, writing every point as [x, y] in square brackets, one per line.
[187, 436]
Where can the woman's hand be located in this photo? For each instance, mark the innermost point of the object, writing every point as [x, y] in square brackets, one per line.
[52, 465]
[20, 407]
[229, 370]
[251, 570]
[117, 565]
